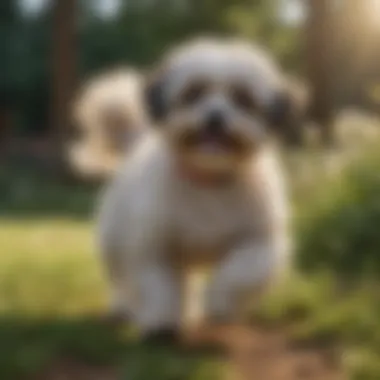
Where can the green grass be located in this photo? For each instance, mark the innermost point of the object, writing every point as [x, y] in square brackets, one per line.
[48, 267]
[30, 345]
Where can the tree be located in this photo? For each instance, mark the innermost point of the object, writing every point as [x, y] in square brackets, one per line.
[8, 26]
[63, 69]
[320, 65]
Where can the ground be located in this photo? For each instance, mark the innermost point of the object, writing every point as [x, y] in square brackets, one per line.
[53, 297]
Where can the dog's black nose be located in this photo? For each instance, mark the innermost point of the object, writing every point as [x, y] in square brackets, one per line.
[215, 123]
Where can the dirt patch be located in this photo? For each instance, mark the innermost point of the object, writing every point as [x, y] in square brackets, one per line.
[259, 354]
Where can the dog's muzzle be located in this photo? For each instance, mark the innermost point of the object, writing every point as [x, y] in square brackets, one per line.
[213, 136]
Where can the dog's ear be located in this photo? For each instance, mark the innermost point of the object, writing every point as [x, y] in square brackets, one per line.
[154, 98]
[288, 112]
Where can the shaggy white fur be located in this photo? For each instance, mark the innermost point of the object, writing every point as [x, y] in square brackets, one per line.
[160, 224]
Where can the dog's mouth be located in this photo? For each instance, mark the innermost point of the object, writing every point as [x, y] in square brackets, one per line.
[213, 144]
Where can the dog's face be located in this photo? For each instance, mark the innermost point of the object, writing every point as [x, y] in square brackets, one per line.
[217, 102]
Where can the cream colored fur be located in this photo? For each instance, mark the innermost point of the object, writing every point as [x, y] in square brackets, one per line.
[121, 91]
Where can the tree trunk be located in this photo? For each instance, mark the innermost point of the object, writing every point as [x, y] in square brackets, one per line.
[63, 72]
[320, 66]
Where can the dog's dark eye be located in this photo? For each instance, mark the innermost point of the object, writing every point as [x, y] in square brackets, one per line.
[243, 98]
[193, 93]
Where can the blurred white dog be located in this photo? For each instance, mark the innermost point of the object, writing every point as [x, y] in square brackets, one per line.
[109, 116]
[202, 190]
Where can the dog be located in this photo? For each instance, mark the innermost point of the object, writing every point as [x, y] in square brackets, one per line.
[109, 116]
[202, 193]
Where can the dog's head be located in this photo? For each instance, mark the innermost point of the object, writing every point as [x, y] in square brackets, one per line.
[217, 102]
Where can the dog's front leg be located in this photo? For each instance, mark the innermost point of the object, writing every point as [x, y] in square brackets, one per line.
[245, 271]
[158, 300]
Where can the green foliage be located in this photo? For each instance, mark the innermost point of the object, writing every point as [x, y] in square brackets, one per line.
[316, 313]
[338, 231]
[24, 78]
[8, 24]
[138, 36]
[141, 33]
[21, 194]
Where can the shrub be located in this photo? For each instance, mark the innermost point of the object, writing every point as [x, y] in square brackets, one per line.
[339, 230]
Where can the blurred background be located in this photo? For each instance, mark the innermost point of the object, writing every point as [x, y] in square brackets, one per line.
[51, 288]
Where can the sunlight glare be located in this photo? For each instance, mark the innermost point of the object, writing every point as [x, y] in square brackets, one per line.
[374, 12]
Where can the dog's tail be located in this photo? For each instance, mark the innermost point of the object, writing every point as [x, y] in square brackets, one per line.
[108, 115]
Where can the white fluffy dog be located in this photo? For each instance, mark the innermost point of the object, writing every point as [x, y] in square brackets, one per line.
[204, 190]
[109, 115]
